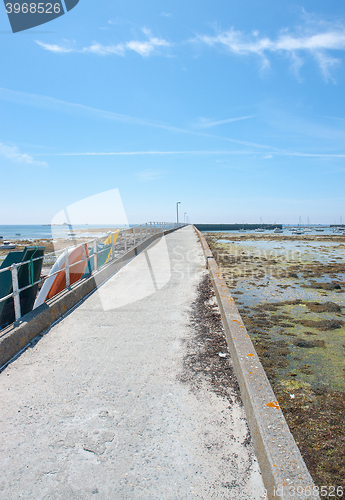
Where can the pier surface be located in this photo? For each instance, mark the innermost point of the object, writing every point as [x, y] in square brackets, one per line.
[97, 408]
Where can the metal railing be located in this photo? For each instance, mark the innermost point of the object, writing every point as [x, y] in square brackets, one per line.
[122, 241]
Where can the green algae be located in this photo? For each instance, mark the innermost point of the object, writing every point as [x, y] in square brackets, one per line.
[296, 325]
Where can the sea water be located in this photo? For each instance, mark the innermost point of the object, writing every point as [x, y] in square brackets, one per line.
[42, 232]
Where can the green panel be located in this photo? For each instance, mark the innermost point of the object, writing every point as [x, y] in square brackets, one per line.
[28, 273]
[6, 279]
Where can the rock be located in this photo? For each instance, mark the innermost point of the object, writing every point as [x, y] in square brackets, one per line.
[326, 324]
[325, 307]
[309, 343]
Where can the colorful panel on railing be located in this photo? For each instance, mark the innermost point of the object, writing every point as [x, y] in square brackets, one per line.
[28, 274]
[55, 283]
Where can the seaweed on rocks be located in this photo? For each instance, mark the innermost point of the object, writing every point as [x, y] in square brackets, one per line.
[314, 411]
[309, 343]
[316, 419]
[325, 307]
[324, 324]
[323, 286]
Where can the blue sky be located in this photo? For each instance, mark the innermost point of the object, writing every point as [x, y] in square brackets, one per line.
[234, 108]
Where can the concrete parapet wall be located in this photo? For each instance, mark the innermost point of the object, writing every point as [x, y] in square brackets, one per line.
[236, 227]
[17, 336]
[284, 472]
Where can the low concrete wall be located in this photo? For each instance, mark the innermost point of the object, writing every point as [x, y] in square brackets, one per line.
[17, 336]
[236, 227]
[284, 472]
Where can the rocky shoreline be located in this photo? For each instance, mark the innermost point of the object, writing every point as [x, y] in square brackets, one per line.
[289, 290]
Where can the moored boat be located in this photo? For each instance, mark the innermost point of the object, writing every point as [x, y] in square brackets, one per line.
[7, 245]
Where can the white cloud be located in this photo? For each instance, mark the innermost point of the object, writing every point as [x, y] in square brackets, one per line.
[60, 106]
[54, 48]
[12, 153]
[206, 123]
[267, 156]
[149, 175]
[142, 47]
[326, 63]
[314, 40]
[153, 153]
[145, 48]
[45, 102]
[103, 50]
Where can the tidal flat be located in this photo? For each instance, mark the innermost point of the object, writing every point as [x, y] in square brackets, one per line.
[290, 291]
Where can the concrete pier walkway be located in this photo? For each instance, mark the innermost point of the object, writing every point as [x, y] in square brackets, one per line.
[97, 408]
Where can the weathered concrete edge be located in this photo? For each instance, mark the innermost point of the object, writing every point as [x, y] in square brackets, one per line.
[17, 336]
[282, 466]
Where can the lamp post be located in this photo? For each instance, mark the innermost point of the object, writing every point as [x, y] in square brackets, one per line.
[184, 217]
[177, 204]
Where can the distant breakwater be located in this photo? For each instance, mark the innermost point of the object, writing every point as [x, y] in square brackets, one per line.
[236, 227]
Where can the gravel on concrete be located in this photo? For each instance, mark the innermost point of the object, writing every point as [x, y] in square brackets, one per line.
[106, 404]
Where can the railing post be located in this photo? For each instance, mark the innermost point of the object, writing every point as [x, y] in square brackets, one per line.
[113, 245]
[95, 255]
[15, 287]
[150, 228]
[145, 230]
[68, 281]
[141, 233]
[134, 235]
[125, 239]
[83, 252]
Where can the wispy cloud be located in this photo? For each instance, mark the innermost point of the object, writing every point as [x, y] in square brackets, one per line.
[142, 47]
[13, 153]
[58, 105]
[266, 156]
[150, 175]
[335, 118]
[54, 47]
[150, 153]
[207, 123]
[316, 40]
[45, 102]
[313, 38]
